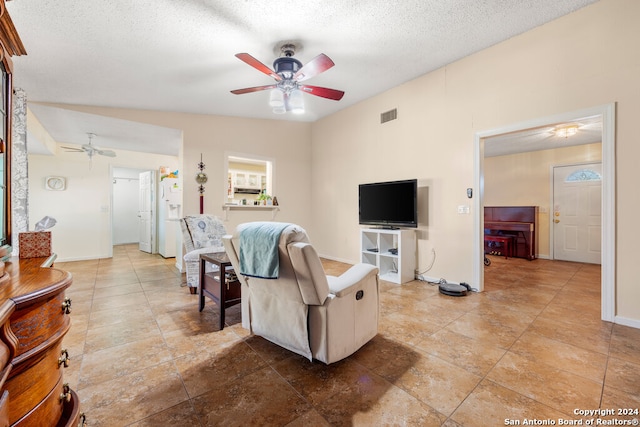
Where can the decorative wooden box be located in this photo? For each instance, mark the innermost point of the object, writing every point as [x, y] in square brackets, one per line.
[33, 244]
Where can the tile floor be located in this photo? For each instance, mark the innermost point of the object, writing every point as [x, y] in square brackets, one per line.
[531, 347]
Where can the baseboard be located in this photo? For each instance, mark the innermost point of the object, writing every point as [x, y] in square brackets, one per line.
[332, 258]
[88, 258]
[429, 279]
[634, 323]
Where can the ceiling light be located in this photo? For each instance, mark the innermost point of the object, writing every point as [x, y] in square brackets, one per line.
[279, 110]
[276, 98]
[296, 102]
[567, 131]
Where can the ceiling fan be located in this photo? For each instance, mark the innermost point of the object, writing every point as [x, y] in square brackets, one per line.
[91, 149]
[286, 93]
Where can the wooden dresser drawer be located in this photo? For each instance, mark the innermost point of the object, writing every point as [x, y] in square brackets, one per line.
[35, 324]
[31, 381]
[47, 412]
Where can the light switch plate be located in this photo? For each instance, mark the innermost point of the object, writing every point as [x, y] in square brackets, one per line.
[463, 209]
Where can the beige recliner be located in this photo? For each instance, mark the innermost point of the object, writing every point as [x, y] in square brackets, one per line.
[320, 317]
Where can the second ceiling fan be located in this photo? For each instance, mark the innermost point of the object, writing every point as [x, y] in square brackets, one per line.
[91, 149]
[286, 93]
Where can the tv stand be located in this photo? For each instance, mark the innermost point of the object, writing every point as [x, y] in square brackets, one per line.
[394, 254]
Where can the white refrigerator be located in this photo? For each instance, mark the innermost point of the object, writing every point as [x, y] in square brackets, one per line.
[169, 213]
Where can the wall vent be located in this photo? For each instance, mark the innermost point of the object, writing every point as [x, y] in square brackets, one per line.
[387, 116]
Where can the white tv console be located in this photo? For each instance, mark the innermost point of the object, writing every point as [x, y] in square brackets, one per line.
[375, 246]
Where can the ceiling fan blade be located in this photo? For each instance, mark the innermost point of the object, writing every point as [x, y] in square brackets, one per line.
[245, 57]
[323, 92]
[108, 153]
[252, 89]
[317, 65]
[74, 149]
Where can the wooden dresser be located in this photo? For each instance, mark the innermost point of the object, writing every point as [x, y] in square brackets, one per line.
[34, 318]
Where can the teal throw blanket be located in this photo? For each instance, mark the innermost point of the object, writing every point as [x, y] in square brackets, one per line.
[259, 249]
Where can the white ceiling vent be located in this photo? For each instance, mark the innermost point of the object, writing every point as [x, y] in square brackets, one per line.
[387, 116]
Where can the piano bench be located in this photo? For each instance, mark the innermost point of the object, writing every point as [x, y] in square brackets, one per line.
[505, 241]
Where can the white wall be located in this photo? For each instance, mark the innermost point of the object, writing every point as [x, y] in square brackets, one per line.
[83, 210]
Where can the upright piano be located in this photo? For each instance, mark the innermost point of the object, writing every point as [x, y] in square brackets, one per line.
[520, 222]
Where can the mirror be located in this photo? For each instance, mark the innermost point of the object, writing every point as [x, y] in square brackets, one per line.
[5, 160]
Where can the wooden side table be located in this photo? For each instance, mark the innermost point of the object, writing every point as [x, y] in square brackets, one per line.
[221, 286]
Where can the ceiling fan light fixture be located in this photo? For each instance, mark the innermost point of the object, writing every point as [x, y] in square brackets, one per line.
[288, 72]
[276, 99]
[296, 102]
[567, 131]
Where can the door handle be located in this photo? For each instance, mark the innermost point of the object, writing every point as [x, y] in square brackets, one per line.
[556, 221]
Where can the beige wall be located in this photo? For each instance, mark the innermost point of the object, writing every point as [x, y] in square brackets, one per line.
[585, 59]
[287, 144]
[582, 60]
[525, 180]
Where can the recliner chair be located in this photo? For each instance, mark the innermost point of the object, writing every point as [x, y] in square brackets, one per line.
[320, 317]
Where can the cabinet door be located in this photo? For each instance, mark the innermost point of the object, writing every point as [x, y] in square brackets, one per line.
[241, 179]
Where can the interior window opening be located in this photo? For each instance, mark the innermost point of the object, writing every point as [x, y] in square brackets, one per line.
[249, 181]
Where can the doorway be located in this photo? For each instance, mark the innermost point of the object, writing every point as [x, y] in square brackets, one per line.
[607, 116]
[125, 201]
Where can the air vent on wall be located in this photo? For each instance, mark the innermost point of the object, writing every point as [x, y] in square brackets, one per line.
[387, 116]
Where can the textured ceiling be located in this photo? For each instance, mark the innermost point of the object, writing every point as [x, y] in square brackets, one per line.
[179, 55]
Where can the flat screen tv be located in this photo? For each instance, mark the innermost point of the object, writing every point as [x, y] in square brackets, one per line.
[389, 204]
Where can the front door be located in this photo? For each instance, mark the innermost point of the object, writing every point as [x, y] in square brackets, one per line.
[576, 219]
[146, 212]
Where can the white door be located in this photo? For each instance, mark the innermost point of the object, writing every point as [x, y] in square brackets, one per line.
[576, 220]
[146, 212]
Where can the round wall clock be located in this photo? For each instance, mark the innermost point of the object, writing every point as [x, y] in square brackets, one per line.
[55, 183]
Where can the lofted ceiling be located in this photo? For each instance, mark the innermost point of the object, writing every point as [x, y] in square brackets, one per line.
[179, 55]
